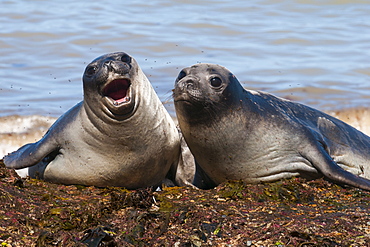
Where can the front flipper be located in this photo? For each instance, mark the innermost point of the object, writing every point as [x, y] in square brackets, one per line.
[324, 163]
[201, 179]
[31, 154]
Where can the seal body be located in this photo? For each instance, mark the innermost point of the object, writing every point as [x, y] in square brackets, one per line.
[119, 135]
[235, 133]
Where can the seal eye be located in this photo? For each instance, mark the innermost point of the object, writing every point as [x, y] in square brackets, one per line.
[216, 82]
[126, 58]
[181, 75]
[90, 71]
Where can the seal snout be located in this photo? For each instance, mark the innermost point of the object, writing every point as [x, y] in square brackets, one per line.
[187, 89]
[187, 83]
[117, 66]
[181, 88]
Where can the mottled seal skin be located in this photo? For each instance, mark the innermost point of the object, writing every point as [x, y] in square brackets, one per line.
[119, 135]
[235, 133]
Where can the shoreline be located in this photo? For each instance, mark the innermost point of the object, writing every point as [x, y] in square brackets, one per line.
[18, 130]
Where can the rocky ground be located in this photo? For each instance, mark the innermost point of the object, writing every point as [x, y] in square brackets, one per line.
[292, 212]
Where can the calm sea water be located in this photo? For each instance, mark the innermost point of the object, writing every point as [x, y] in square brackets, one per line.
[313, 51]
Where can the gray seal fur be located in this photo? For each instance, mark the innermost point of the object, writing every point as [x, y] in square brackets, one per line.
[119, 135]
[235, 133]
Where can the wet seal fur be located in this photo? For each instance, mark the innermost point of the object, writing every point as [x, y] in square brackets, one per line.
[119, 135]
[235, 133]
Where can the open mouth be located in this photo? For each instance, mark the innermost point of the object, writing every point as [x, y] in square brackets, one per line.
[117, 90]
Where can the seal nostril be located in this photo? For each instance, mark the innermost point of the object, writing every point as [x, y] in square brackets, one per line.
[108, 64]
[190, 86]
[189, 81]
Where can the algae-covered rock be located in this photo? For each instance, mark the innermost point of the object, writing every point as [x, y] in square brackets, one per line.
[292, 212]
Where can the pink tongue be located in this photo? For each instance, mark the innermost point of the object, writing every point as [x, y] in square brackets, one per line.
[117, 90]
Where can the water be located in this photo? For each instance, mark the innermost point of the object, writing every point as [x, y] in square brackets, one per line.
[313, 51]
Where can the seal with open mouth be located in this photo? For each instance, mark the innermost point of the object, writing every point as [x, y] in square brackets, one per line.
[235, 133]
[119, 135]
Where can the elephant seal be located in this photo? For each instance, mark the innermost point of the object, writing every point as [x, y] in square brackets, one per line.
[119, 135]
[235, 133]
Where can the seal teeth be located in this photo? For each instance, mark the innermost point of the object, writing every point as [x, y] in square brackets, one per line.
[123, 100]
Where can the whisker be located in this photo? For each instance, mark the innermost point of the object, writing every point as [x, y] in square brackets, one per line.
[168, 97]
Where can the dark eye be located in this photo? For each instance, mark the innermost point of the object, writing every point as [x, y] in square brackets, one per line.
[182, 74]
[126, 58]
[90, 70]
[216, 82]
